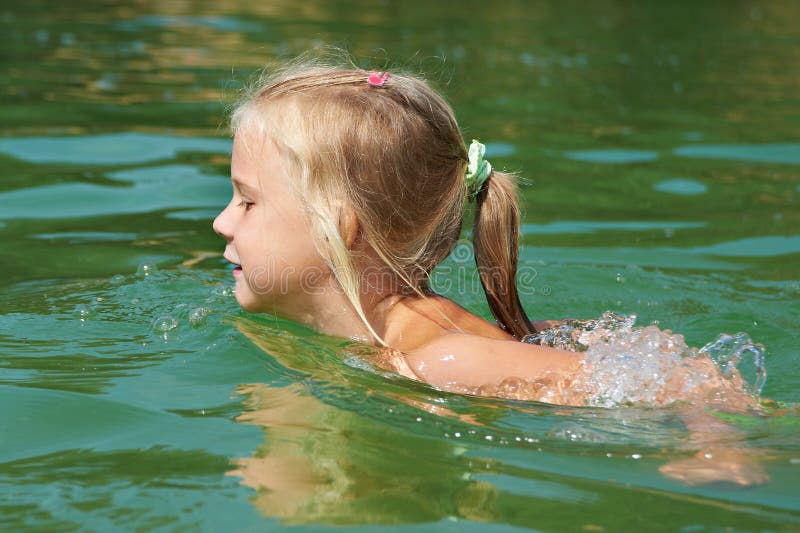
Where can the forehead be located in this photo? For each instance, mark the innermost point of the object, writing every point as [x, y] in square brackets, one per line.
[254, 156]
[259, 169]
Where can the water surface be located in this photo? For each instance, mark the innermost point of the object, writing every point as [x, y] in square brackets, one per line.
[659, 148]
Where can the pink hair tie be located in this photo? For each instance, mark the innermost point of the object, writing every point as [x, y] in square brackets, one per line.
[376, 79]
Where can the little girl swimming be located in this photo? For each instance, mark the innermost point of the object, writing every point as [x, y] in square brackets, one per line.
[349, 189]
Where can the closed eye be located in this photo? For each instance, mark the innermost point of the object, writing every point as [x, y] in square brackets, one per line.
[245, 204]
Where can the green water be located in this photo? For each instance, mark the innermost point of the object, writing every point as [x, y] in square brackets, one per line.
[660, 142]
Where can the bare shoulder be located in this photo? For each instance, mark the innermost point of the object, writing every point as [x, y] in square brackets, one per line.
[473, 360]
[416, 321]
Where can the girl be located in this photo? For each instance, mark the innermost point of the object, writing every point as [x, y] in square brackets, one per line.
[349, 188]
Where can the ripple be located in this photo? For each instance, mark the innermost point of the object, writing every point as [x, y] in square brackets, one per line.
[86, 236]
[787, 153]
[682, 186]
[590, 226]
[194, 214]
[150, 189]
[500, 149]
[768, 245]
[166, 21]
[613, 156]
[111, 149]
[616, 255]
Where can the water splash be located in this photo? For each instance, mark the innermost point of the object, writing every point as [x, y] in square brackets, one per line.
[577, 335]
[626, 365]
[738, 353]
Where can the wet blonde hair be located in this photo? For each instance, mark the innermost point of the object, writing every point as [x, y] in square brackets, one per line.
[395, 157]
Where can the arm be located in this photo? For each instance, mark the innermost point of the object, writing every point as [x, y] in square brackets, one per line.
[459, 362]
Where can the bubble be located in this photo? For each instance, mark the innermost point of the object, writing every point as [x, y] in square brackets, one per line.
[165, 323]
[222, 290]
[117, 279]
[197, 316]
[83, 311]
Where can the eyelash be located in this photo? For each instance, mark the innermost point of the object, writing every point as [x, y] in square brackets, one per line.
[246, 205]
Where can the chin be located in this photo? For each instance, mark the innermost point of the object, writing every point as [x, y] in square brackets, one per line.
[246, 303]
[252, 304]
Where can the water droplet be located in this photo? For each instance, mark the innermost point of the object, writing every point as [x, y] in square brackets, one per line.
[145, 269]
[83, 311]
[117, 279]
[164, 324]
[620, 278]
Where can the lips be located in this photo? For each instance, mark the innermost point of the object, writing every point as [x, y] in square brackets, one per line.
[237, 268]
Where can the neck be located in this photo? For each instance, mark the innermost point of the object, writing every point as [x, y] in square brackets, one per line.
[330, 312]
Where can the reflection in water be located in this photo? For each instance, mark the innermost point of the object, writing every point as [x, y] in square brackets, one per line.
[324, 464]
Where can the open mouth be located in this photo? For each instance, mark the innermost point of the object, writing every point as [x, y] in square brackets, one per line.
[237, 268]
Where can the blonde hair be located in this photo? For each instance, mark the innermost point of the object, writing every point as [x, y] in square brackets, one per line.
[395, 157]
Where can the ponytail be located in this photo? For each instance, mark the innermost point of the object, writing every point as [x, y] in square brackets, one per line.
[496, 238]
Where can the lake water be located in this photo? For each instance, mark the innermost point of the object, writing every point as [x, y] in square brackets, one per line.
[660, 146]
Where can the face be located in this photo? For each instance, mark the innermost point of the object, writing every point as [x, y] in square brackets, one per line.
[268, 233]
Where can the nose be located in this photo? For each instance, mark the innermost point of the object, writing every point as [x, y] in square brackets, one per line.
[222, 226]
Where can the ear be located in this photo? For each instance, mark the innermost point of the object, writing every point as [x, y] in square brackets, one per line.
[349, 226]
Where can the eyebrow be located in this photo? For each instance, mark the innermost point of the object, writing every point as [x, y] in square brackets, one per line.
[243, 186]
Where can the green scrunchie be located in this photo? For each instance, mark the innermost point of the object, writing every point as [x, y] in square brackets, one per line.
[477, 170]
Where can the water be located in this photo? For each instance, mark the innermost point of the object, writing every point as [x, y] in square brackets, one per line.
[659, 181]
